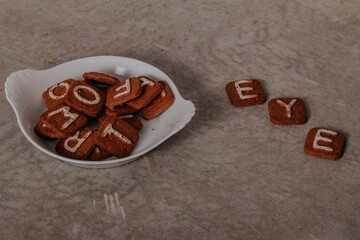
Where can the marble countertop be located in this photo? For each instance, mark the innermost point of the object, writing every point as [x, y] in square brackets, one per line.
[230, 173]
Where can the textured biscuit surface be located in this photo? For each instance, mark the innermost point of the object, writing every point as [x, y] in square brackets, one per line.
[245, 92]
[116, 137]
[150, 89]
[64, 119]
[162, 102]
[85, 98]
[100, 78]
[77, 146]
[120, 110]
[99, 154]
[123, 92]
[56, 94]
[131, 119]
[45, 131]
[287, 111]
[325, 143]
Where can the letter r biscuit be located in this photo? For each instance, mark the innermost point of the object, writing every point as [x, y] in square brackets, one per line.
[77, 146]
[245, 92]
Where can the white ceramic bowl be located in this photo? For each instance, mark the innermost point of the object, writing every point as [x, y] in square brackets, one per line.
[24, 88]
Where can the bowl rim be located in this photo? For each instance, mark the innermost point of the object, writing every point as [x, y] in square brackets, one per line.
[188, 105]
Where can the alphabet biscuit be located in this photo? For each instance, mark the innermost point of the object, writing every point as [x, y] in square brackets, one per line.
[77, 146]
[123, 92]
[150, 89]
[162, 102]
[116, 137]
[85, 98]
[245, 92]
[56, 94]
[325, 143]
[63, 119]
[100, 78]
[287, 111]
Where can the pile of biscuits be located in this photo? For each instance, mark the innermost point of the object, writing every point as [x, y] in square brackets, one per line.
[115, 104]
[320, 142]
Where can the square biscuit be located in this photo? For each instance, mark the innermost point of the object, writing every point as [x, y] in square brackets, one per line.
[64, 120]
[245, 92]
[162, 102]
[150, 89]
[56, 94]
[287, 111]
[77, 146]
[116, 137]
[325, 143]
[123, 92]
[85, 98]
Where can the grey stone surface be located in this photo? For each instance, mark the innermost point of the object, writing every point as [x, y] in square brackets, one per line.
[230, 174]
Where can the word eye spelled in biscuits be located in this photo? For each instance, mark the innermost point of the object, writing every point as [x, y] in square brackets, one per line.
[116, 106]
[288, 111]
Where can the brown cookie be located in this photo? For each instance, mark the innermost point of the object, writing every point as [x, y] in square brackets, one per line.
[123, 92]
[162, 102]
[116, 137]
[64, 120]
[85, 98]
[100, 78]
[324, 143]
[77, 146]
[120, 110]
[287, 111]
[56, 94]
[99, 154]
[150, 89]
[44, 130]
[131, 119]
[245, 92]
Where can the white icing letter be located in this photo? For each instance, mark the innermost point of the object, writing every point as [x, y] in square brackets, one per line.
[163, 93]
[126, 86]
[91, 102]
[109, 129]
[127, 116]
[145, 81]
[79, 141]
[318, 138]
[241, 89]
[51, 90]
[287, 107]
[66, 111]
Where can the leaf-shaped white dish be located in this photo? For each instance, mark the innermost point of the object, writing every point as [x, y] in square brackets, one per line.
[24, 89]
